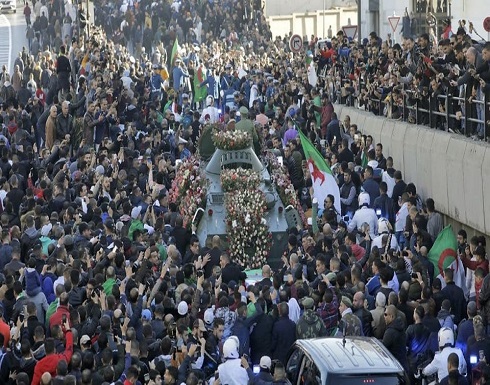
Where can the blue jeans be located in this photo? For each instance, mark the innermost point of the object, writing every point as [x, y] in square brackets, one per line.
[400, 238]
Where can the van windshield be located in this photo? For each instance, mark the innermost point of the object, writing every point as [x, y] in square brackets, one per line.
[368, 380]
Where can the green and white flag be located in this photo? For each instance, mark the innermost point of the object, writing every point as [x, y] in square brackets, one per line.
[321, 176]
[175, 52]
[364, 159]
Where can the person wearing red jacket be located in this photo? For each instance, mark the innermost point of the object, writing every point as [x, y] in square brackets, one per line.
[480, 261]
[50, 362]
[63, 310]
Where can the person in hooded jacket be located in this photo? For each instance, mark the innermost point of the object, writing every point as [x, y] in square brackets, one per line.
[364, 215]
[394, 338]
[231, 371]
[310, 325]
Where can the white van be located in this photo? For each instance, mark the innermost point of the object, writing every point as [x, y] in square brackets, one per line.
[338, 361]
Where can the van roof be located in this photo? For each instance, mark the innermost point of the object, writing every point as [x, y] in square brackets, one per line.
[360, 355]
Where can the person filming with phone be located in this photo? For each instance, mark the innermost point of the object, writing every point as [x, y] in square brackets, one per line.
[62, 313]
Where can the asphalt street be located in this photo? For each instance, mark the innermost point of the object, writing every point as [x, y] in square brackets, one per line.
[12, 36]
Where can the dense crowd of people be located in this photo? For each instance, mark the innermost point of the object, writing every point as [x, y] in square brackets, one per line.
[449, 77]
[101, 282]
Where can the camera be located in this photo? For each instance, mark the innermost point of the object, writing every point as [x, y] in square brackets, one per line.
[414, 275]
[63, 318]
[200, 273]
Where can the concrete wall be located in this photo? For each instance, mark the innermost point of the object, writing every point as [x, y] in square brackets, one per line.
[453, 170]
[311, 22]
[287, 7]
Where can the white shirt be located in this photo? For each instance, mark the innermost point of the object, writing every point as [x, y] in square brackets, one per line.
[294, 310]
[378, 241]
[364, 214]
[390, 182]
[213, 113]
[439, 363]
[231, 372]
[401, 218]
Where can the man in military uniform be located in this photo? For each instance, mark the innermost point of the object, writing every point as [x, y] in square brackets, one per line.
[310, 325]
[246, 125]
[350, 324]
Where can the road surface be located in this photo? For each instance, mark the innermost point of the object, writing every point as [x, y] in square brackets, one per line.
[12, 36]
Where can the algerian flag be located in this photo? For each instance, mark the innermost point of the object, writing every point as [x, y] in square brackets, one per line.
[364, 160]
[175, 51]
[321, 176]
[312, 76]
[309, 58]
[444, 251]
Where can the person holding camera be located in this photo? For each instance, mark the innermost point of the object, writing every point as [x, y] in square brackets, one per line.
[62, 314]
[50, 362]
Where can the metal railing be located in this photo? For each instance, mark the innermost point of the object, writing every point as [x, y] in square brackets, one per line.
[424, 111]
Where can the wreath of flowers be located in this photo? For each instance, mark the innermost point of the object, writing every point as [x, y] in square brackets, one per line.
[231, 140]
[285, 189]
[248, 231]
[189, 189]
[239, 179]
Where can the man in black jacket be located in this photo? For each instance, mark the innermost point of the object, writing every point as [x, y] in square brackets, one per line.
[383, 205]
[63, 69]
[283, 333]
[212, 358]
[455, 294]
[295, 167]
[230, 271]
[395, 338]
[398, 189]
[363, 314]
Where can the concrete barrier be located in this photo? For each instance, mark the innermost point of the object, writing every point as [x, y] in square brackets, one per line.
[454, 179]
[485, 176]
[342, 111]
[387, 129]
[424, 159]
[372, 126]
[451, 169]
[410, 145]
[440, 143]
[397, 144]
[473, 184]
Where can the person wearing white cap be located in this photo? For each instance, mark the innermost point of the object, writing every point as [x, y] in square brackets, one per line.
[364, 214]
[264, 375]
[184, 152]
[156, 84]
[210, 110]
[231, 372]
